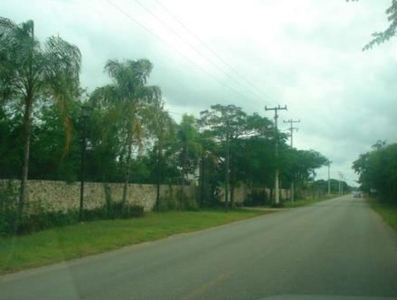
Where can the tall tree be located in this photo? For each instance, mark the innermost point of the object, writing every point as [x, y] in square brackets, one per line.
[126, 99]
[226, 123]
[254, 153]
[189, 146]
[163, 128]
[377, 170]
[29, 71]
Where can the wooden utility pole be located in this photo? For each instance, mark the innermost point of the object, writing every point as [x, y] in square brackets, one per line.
[276, 181]
[291, 129]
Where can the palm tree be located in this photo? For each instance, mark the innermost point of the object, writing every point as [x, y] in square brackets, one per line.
[126, 100]
[31, 71]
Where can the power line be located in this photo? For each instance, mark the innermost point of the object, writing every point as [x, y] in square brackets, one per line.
[210, 49]
[175, 49]
[291, 129]
[193, 48]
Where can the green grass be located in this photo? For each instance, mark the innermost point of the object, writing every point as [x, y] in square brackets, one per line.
[386, 211]
[64, 243]
[307, 201]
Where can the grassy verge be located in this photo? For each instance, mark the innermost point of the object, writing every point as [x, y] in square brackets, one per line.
[307, 201]
[386, 211]
[75, 241]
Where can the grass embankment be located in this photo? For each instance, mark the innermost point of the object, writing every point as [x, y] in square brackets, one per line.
[386, 211]
[64, 243]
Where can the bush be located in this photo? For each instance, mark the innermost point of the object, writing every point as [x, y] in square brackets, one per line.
[167, 202]
[8, 209]
[180, 201]
[119, 211]
[278, 205]
[47, 220]
[257, 198]
[190, 204]
[113, 211]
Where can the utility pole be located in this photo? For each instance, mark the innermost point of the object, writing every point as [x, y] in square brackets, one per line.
[291, 129]
[276, 181]
[227, 165]
[329, 182]
[340, 183]
[343, 181]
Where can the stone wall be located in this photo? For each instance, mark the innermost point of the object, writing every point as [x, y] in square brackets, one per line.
[59, 195]
[241, 193]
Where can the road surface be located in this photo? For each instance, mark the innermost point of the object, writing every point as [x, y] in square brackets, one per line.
[335, 248]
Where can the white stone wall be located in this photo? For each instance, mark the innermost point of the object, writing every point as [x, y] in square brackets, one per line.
[59, 195]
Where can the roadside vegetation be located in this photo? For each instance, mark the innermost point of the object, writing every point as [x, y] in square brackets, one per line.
[69, 242]
[51, 128]
[377, 170]
[309, 201]
[388, 212]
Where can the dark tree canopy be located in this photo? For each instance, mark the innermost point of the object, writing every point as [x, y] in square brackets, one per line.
[377, 170]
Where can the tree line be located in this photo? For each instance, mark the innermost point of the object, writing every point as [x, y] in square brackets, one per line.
[377, 170]
[130, 136]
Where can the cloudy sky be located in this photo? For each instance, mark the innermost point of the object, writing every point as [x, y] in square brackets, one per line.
[305, 54]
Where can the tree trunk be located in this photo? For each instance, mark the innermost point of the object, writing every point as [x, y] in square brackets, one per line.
[159, 150]
[184, 160]
[25, 167]
[202, 179]
[127, 168]
[232, 189]
[232, 185]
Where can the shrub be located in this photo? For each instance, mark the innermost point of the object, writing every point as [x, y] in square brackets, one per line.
[8, 209]
[119, 211]
[278, 205]
[257, 198]
[167, 203]
[180, 201]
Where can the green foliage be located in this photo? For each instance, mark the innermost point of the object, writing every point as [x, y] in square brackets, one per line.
[257, 198]
[229, 126]
[11, 142]
[167, 202]
[126, 100]
[377, 170]
[389, 32]
[278, 205]
[130, 137]
[322, 185]
[177, 200]
[388, 212]
[301, 164]
[30, 71]
[253, 156]
[8, 209]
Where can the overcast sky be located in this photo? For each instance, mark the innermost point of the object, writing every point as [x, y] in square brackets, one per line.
[305, 54]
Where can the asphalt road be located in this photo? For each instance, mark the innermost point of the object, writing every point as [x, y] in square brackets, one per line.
[336, 248]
